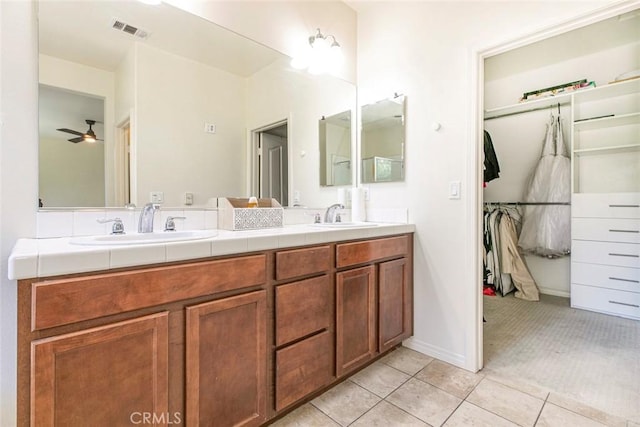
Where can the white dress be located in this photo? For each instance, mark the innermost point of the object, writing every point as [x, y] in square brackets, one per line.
[546, 229]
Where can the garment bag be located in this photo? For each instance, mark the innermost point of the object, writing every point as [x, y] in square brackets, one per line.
[546, 229]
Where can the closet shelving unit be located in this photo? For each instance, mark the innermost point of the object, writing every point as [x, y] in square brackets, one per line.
[605, 211]
[605, 139]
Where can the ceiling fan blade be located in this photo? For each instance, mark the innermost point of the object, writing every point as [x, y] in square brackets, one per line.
[76, 140]
[75, 132]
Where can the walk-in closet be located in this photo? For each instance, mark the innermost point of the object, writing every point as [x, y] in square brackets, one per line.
[561, 205]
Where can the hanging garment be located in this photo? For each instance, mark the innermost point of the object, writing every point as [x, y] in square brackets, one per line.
[504, 266]
[491, 166]
[546, 229]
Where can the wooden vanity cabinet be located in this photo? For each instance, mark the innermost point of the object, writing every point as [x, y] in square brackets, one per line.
[374, 300]
[229, 341]
[304, 327]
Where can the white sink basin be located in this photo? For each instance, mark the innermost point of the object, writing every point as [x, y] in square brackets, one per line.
[143, 238]
[344, 224]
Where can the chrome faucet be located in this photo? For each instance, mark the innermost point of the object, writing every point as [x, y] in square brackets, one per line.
[145, 225]
[330, 214]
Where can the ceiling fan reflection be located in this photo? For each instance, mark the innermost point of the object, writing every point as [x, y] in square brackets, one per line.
[88, 136]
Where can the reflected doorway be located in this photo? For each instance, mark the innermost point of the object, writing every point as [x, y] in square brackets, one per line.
[271, 165]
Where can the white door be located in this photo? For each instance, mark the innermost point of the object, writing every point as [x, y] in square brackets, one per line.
[273, 167]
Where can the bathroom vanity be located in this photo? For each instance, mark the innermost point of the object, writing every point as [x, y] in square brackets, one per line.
[232, 339]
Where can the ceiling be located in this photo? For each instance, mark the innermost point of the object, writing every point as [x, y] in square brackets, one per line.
[81, 31]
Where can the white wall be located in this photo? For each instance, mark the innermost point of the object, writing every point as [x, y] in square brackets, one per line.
[173, 153]
[18, 171]
[425, 50]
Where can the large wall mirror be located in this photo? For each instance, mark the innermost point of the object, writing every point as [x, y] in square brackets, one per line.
[382, 140]
[335, 149]
[177, 104]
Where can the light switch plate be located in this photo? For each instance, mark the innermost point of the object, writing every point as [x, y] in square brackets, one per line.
[454, 189]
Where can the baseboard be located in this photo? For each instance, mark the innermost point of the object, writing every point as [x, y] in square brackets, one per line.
[436, 352]
[554, 292]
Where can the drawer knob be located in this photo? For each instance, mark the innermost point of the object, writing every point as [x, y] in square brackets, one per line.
[624, 280]
[624, 303]
[623, 231]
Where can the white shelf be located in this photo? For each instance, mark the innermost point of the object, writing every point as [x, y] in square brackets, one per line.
[607, 121]
[611, 90]
[606, 150]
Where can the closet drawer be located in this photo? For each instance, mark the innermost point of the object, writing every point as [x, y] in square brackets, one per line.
[605, 205]
[606, 276]
[609, 301]
[606, 229]
[620, 254]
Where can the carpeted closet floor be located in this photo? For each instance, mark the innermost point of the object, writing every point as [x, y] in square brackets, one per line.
[590, 357]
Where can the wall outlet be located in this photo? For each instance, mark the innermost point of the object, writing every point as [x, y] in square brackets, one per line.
[188, 198]
[296, 197]
[209, 128]
[366, 193]
[157, 197]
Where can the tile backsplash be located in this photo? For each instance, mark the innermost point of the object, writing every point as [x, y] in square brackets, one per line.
[84, 222]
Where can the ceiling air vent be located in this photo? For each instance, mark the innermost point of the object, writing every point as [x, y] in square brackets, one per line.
[122, 26]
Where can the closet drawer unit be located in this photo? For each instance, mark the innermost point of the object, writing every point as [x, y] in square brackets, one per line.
[605, 205]
[609, 301]
[606, 276]
[608, 253]
[606, 229]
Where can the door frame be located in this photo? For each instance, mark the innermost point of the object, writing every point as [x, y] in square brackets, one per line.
[253, 160]
[474, 223]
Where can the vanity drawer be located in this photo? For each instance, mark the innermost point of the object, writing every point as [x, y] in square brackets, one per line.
[362, 252]
[608, 253]
[59, 302]
[303, 368]
[609, 301]
[606, 276]
[302, 262]
[606, 229]
[302, 308]
[605, 205]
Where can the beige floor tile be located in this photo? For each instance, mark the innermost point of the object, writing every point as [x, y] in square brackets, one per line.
[346, 402]
[385, 415]
[632, 424]
[553, 416]
[516, 383]
[469, 415]
[587, 411]
[449, 378]
[407, 360]
[512, 404]
[380, 379]
[424, 401]
[306, 416]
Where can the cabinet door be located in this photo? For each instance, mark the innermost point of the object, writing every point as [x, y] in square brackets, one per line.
[226, 361]
[394, 296]
[355, 318]
[107, 376]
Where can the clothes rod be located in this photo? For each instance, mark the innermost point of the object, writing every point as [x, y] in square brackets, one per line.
[527, 111]
[527, 203]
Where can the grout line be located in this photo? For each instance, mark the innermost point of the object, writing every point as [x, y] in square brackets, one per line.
[541, 409]
[327, 415]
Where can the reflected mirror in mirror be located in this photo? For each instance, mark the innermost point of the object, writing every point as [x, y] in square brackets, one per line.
[382, 140]
[180, 95]
[335, 149]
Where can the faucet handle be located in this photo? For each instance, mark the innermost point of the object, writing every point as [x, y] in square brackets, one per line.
[118, 226]
[170, 224]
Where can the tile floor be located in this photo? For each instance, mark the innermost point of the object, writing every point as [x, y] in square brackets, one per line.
[407, 388]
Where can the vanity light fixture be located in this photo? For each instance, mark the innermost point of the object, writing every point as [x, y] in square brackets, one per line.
[321, 55]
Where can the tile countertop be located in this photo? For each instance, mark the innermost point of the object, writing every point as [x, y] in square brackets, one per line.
[56, 256]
